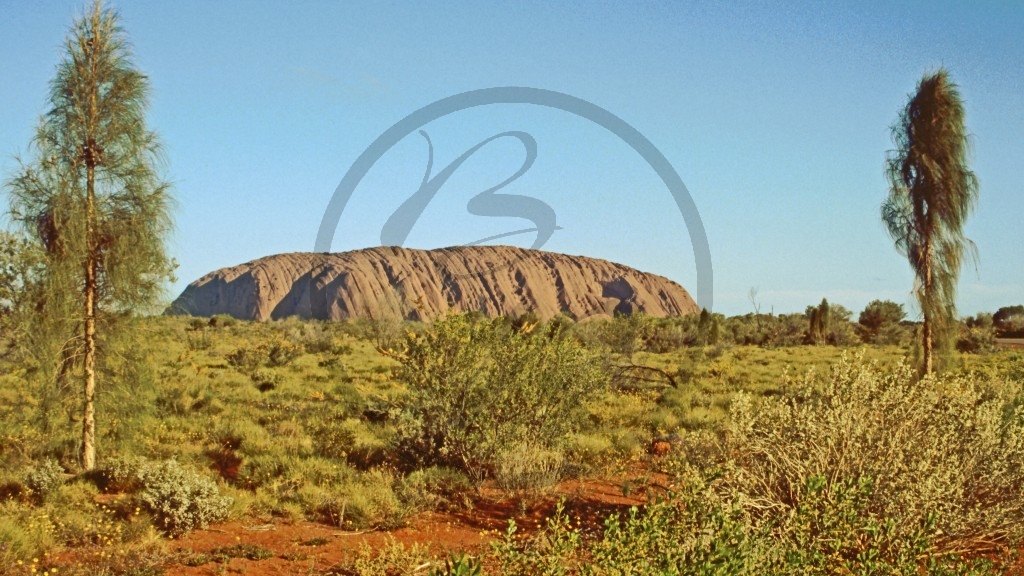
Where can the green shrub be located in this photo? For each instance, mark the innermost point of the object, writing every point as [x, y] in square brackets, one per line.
[223, 321]
[592, 451]
[197, 341]
[458, 565]
[347, 399]
[336, 436]
[390, 558]
[943, 448]
[180, 499]
[690, 532]
[333, 364]
[368, 501]
[260, 471]
[835, 530]
[74, 516]
[475, 389]
[324, 343]
[242, 435]
[22, 536]
[976, 340]
[555, 551]
[704, 527]
[265, 380]
[436, 488]
[332, 437]
[523, 466]
[282, 353]
[45, 478]
[247, 359]
[120, 474]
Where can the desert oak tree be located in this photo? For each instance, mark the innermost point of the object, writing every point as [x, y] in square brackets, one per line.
[932, 192]
[92, 196]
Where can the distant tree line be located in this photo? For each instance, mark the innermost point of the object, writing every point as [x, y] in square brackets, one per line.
[881, 322]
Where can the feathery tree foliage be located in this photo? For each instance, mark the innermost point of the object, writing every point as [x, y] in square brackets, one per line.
[93, 200]
[17, 263]
[818, 319]
[880, 322]
[932, 192]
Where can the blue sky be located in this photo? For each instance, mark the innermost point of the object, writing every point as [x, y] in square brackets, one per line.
[776, 116]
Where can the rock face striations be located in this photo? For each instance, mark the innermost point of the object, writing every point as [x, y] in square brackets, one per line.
[425, 284]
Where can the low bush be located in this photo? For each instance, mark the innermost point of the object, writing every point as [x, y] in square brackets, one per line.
[247, 358]
[556, 551]
[22, 536]
[222, 321]
[948, 446]
[282, 353]
[369, 501]
[45, 478]
[333, 364]
[692, 531]
[591, 451]
[260, 471]
[346, 398]
[525, 467]
[436, 488]
[975, 340]
[240, 434]
[120, 474]
[332, 437]
[325, 343]
[476, 388]
[458, 565]
[705, 528]
[198, 340]
[180, 499]
[14, 490]
[391, 558]
[265, 380]
[862, 472]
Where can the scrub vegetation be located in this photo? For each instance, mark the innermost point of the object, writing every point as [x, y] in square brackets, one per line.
[795, 456]
[808, 443]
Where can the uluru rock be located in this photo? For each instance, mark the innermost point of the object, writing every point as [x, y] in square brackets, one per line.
[425, 284]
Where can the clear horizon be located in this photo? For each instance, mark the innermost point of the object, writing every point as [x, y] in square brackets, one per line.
[776, 119]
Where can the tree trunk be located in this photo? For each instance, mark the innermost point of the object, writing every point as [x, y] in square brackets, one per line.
[927, 332]
[927, 345]
[90, 153]
[88, 410]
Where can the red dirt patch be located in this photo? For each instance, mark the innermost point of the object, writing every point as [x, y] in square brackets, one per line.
[467, 531]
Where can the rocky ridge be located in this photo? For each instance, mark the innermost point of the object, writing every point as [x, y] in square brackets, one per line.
[425, 284]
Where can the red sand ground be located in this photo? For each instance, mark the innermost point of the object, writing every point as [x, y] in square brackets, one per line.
[469, 531]
[463, 531]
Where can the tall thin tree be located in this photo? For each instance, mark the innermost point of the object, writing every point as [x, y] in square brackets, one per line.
[932, 192]
[93, 197]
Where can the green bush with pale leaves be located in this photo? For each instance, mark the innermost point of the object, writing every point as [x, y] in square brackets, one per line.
[476, 388]
[180, 499]
[950, 446]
